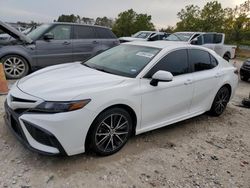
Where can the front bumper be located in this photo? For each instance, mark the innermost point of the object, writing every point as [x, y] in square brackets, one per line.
[51, 134]
[24, 131]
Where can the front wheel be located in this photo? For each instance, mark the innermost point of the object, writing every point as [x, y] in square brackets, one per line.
[220, 101]
[15, 66]
[110, 131]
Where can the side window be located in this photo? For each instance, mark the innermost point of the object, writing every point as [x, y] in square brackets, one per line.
[84, 32]
[200, 60]
[200, 40]
[104, 33]
[154, 37]
[196, 35]
[218, 38]
[213, 61]
[61, 32]
[208, 38]
[175, 62]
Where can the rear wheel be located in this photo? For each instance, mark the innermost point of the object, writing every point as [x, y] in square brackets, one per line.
[226, 57]
[15, 66]
[220, 101]
[110, 131]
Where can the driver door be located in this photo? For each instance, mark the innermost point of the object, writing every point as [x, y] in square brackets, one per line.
[57, 50]
[169, 101]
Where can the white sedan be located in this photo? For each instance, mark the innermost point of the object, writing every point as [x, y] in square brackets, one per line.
[130, 89]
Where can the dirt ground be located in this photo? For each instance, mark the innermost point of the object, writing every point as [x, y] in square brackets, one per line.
[200, 152]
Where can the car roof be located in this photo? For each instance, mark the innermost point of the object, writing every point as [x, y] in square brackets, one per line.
[167, 45]
[159, 44]
[69, 23]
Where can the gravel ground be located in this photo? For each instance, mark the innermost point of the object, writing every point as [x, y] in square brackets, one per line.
[200, 152]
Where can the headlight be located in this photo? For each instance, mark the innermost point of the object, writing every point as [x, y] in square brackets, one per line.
[57, 107]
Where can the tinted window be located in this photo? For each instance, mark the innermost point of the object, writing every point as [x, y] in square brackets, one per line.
[208, 38]
[61, 32]
[200, 60]
[218, 38]
[84, 32]
[175, 62]
[154, 37]
[104, 33]
[213, 61]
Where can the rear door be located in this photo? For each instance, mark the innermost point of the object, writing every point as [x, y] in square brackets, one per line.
[107, 38]
[57, 50]
[206, 78]
[85, 42]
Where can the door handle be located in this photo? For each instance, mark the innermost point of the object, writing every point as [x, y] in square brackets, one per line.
[217, 75]
[189, 81]
[66, 43]
[95, 42]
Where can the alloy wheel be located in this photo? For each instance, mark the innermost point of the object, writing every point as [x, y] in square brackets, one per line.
[14, 67]
[112, 133]
[221, 100]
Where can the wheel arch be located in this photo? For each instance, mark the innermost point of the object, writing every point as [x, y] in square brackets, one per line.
[227, 53]
[126, 107]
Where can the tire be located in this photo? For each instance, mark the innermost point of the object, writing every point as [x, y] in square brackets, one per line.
[243, 78]
[220, 101]
[226, 57]
[15, 66]
[106, 139]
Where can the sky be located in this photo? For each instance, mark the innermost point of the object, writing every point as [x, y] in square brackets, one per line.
[164, 12]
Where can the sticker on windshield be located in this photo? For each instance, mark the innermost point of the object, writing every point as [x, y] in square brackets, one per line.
[145, 54]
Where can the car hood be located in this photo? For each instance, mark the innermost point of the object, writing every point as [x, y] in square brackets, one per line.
[129, 39]
[67, 81]
[14, 33]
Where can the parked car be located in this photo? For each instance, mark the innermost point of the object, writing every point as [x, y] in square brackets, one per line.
[145, 36]
[213, 41]
[245, 70]
[52, 44]
[130, 89]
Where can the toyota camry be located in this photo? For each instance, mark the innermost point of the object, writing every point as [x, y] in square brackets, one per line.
[128, 90]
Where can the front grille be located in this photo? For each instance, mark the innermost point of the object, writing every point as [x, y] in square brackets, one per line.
[41, 136]
[247, 67]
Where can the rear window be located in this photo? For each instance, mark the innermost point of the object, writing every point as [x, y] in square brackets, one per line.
[104, 33]
[84, 32]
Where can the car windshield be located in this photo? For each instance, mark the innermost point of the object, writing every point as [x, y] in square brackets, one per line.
[124, 60]
[36, 33]
[179, 37]
[141, 35]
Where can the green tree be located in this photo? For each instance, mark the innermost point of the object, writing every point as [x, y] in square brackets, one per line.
[68, 18]
[143, 22]
[169, 29]
[104, 21]
[189, 19]
[129, 22]
[212, 17]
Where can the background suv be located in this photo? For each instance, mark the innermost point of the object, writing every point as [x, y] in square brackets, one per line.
[52, 44]
[245, 71]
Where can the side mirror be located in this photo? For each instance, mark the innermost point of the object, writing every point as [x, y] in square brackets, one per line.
[194, 41]
[48, 36]
[161, 76]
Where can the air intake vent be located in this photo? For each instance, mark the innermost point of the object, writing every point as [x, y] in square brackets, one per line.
[15, 99]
